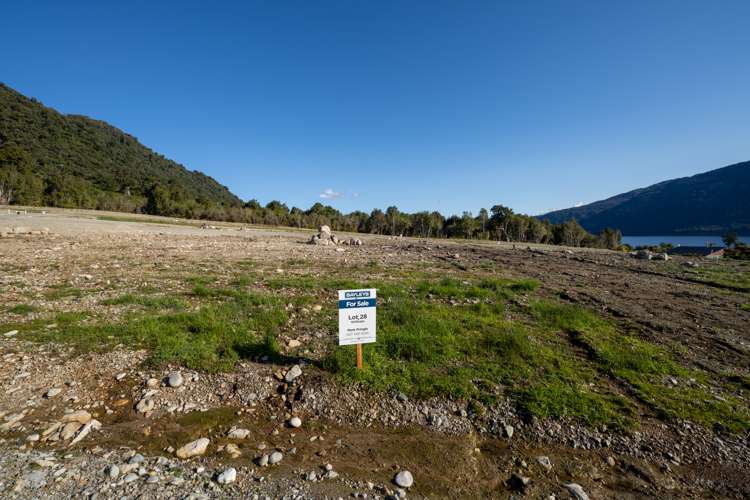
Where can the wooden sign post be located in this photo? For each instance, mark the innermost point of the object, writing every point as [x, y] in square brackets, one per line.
[357, 309]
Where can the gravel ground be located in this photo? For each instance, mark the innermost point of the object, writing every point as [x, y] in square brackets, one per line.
[364, 438]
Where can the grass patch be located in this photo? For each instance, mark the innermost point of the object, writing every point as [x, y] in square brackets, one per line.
[644, 367]
[212, 338]
[149, 302]
[22, 309]
[428, 348]
[725, 274]
[62, 292]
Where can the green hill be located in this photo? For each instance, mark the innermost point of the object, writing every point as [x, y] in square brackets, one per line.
[713, 202]
[51, 159]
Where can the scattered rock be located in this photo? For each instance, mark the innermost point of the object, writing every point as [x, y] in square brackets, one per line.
[80, 416]
[238, 434]
[544, 462]
[610, 461]
[508, 431]
[275, 457]
[91, 425]
[10, 334]
[233, 450]
[120, 376]
[228, 476]
[69, 430]
[129, 478]
[295, 422]
[293, 343]
[518, 482]
[51, 393]
[193, 449]
[404, 479]
[113, 471]
[577, 491]
[175, 379]
[293, 373]
[262, 461]
[145, 405]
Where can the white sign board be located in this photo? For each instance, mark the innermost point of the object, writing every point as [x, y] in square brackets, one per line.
[357, 316]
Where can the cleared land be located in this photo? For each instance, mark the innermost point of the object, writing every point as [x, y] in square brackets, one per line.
[632, 377]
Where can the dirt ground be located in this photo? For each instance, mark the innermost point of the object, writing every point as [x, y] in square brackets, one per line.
[367, 437]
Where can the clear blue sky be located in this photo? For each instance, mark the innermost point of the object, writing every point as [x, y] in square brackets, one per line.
[425, 105]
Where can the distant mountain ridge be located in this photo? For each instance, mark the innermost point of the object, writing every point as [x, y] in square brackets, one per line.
[713, 202]
[48, 158]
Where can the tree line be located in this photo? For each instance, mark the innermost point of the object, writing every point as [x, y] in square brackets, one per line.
[19, 184]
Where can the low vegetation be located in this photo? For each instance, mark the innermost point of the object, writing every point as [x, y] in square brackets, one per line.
[474, 337]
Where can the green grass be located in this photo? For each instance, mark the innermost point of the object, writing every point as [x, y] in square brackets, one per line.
[149, 302]
[470, 338]
[22, 309]
[212, 338]
[726, 274]
[62, 292]
[745, 307]
[644, 367]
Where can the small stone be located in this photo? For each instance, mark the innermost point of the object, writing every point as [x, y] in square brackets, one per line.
[275, 457]
[519, 482]
[33, 438]
[331, 474]
[80, 416]
[113, 471]
[228, 476]
[508, 431]
[262, 461]
[10, 334]
[193, 449]
[36, 479]
[238, 434]
[175, 379]
[136, 459]
[69, 430]
[402, 397]
[129, 478]
[145, 405]
[544, 462]
[152, 383]
[295, 422]
[152, 479]
[611, 461]
[233, 450]
[293, 344]
[577, 491]
[51, 393]
[293, 373]
[120, 376]
[404, 479]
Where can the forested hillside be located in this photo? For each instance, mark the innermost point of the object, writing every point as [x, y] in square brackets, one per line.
[47, 158]
[71, 161]
[713, 202]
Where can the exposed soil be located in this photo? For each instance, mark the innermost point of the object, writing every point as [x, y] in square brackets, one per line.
[367, 437]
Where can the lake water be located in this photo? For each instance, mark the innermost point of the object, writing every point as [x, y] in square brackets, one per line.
[683, 241]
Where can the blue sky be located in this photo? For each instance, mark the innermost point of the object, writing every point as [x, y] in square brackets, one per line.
[425, 105]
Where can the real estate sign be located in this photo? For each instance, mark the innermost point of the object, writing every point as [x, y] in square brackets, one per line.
[357, 316]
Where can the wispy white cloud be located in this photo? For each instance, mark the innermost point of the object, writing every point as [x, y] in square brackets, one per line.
[330, 194]
[355, 195]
